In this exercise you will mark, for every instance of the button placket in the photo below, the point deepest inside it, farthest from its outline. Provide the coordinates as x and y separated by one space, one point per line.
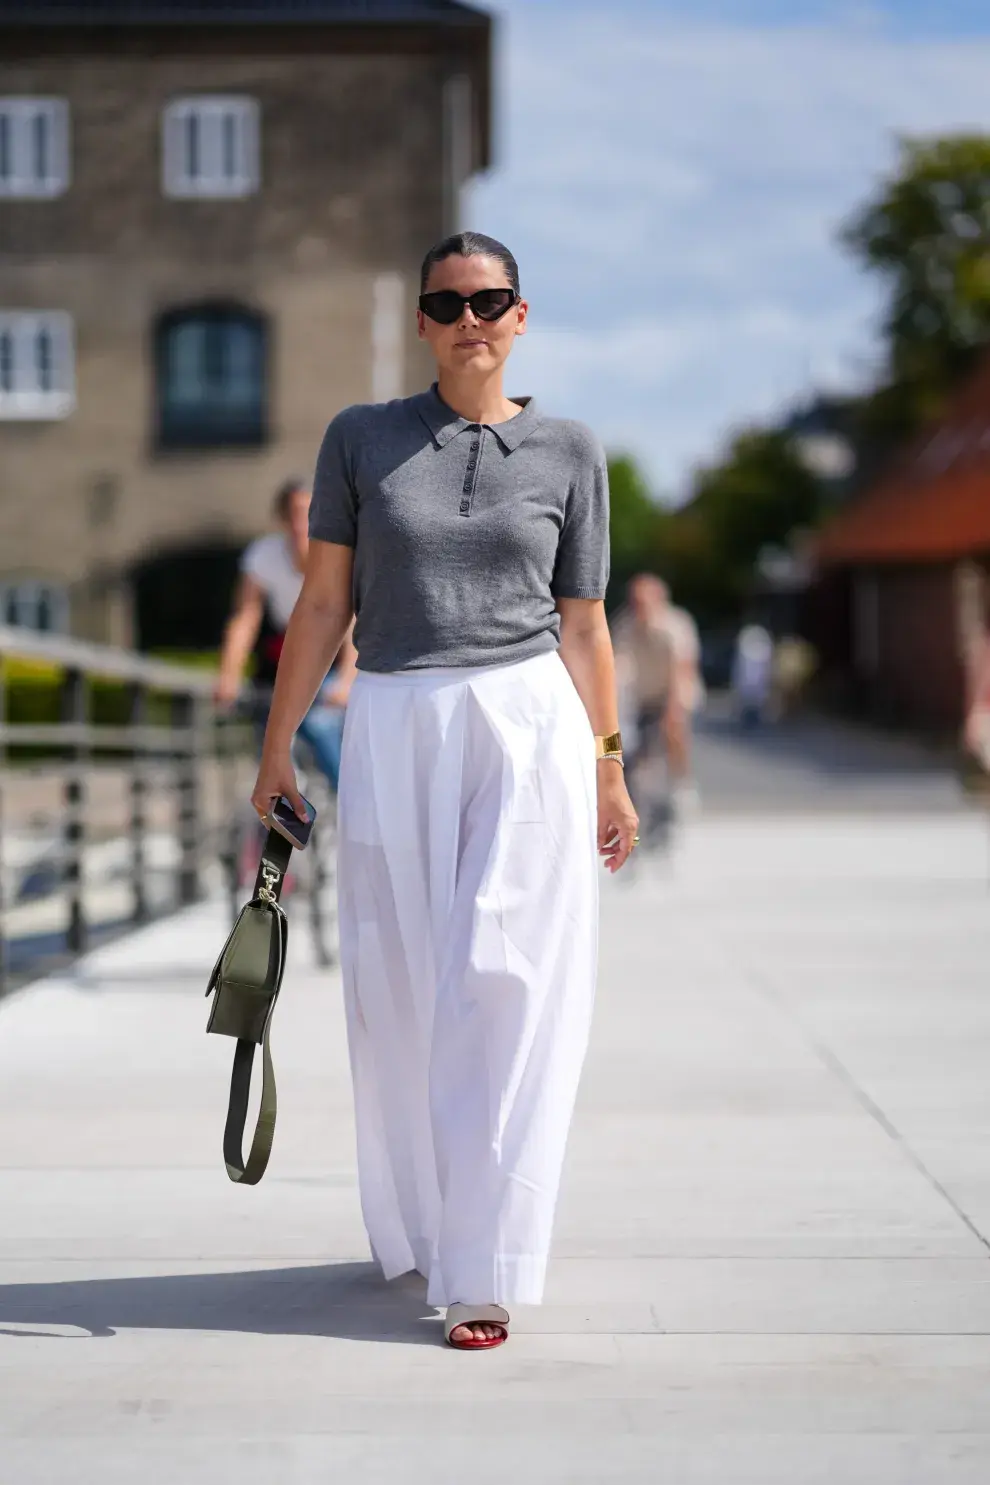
471 473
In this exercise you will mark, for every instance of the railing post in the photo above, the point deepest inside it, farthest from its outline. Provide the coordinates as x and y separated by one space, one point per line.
73 710
139 796
186 717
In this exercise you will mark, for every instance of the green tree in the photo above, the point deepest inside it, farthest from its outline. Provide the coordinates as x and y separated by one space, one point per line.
754 497
633 520
926 233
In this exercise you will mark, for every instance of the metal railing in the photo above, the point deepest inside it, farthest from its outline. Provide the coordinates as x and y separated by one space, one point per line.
164 750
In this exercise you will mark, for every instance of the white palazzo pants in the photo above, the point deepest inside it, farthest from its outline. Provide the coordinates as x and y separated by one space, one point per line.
469 937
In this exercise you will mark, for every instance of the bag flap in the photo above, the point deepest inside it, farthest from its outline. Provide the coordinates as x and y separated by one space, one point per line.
248 974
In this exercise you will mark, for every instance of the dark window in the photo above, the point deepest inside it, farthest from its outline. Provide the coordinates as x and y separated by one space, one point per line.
192 146
6 361
182 597
211 379
40 141
230 123
43 351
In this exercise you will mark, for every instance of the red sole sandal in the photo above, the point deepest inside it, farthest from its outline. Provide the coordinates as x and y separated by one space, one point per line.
476 1315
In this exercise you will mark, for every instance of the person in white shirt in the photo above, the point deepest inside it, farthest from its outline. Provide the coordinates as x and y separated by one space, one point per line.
271 579
752 674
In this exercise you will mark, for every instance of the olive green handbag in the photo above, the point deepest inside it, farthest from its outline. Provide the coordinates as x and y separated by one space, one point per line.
244 984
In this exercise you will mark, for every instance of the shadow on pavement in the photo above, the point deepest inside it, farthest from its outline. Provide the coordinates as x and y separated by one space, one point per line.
349 1301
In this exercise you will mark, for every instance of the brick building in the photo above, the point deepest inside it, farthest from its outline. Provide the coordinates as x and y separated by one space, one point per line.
904 588
212 214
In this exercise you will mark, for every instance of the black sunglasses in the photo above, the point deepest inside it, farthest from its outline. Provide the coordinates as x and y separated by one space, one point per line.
446 305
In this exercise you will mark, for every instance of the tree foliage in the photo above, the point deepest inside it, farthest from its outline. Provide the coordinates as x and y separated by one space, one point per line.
752 498
926 233
634 517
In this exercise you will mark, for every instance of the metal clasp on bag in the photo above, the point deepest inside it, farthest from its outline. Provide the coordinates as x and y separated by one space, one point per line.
272 876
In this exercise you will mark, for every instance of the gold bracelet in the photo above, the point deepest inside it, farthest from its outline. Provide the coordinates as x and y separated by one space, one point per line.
606 746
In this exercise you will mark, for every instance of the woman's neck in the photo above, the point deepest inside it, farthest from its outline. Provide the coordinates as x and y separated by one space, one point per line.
479 401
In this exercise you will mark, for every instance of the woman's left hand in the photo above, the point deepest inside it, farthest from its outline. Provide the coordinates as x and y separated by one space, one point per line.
617 819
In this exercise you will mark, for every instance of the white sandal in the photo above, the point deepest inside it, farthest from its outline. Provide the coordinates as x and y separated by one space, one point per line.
476 1315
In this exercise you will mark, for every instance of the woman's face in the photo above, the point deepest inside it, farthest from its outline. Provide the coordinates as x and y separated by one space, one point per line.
471 346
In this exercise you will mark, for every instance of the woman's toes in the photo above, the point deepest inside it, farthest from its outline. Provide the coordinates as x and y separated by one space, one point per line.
475 1332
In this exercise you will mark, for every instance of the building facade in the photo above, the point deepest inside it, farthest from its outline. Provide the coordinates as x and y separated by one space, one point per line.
903 594
212 214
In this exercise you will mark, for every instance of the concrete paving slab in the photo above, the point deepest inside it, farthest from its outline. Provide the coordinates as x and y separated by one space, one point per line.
772 1260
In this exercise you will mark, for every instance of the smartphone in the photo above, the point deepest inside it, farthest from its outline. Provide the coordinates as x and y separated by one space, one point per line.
283 818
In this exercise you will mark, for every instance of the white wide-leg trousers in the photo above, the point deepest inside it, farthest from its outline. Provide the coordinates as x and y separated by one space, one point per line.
469 938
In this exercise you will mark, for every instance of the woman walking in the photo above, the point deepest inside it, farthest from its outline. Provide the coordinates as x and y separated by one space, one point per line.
481 766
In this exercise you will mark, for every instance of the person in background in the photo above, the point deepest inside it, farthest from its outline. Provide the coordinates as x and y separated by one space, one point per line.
660 661
647 670
752 675
976 733
271 579
691 695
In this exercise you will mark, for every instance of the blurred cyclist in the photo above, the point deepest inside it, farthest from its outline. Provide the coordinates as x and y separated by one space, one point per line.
646 665
271 578
659 658
691 695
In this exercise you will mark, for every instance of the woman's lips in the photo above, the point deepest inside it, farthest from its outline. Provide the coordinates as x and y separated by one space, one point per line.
470 342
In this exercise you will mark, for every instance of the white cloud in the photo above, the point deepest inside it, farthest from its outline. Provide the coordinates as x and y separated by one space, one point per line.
672 189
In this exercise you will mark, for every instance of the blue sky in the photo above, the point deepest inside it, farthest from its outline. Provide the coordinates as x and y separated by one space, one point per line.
671 176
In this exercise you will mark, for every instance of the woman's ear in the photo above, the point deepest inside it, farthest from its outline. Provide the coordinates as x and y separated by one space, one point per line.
522 311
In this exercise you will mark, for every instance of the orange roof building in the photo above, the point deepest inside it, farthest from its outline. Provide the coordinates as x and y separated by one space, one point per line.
905 572
934 504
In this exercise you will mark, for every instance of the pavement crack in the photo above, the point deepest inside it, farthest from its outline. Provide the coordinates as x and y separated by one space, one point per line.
765 988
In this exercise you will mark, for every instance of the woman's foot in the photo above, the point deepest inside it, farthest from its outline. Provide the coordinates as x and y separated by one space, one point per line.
476 1327
461 1333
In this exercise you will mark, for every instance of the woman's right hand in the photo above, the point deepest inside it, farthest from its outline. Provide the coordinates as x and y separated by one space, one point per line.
277 776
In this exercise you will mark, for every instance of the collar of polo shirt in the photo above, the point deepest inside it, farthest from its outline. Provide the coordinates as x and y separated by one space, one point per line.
445 424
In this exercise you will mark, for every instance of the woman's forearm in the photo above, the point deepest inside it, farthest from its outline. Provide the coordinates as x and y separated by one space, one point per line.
312 640
241 632
586 650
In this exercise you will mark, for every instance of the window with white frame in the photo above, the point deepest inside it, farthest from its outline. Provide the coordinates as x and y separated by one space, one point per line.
210 147
37 373
34 147
30 603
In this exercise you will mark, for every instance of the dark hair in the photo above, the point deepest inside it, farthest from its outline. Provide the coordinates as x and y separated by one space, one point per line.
470 245
282 502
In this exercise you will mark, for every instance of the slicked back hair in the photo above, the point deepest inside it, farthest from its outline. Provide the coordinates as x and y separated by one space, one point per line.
470 245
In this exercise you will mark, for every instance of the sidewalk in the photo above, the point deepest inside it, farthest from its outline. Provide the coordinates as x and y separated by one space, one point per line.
772 1264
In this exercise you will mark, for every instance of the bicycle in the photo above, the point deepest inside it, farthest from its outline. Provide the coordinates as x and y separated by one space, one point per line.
313 876
648 779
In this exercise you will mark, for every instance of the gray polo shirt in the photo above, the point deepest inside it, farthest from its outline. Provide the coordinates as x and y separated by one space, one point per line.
464 534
